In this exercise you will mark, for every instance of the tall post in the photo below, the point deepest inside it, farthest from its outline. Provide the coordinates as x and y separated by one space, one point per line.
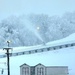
8 59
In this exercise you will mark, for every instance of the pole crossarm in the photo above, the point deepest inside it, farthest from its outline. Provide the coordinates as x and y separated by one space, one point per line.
7 54
44 49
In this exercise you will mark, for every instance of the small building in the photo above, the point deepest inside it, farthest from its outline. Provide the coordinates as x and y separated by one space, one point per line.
40 69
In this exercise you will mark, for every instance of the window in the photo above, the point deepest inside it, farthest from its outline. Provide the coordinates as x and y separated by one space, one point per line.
40 71
25 71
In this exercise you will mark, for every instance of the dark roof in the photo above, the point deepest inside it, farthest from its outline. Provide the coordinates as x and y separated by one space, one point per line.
45 66
39 64
24 64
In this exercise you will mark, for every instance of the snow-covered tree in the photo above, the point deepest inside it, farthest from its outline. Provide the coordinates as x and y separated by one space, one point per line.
35 29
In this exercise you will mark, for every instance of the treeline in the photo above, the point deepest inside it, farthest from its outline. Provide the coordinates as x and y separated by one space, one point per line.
35 29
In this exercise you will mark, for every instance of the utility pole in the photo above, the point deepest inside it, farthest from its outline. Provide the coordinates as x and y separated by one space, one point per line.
8 59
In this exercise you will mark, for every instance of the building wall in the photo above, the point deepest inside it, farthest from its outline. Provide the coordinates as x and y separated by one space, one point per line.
40 69
56 70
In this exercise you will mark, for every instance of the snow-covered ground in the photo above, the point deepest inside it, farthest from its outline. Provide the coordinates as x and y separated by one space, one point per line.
63 57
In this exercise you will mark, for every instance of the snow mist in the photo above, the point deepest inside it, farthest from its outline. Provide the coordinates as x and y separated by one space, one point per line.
31 28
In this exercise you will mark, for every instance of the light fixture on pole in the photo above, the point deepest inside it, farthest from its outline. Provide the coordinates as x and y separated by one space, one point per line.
8 54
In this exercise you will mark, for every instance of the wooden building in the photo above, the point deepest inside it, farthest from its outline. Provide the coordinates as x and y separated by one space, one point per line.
40 69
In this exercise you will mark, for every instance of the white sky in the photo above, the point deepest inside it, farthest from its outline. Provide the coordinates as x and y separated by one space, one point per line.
50 7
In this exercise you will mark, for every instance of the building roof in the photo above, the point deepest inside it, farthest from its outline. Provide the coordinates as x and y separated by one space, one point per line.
24 64
45 66
57 66
39 64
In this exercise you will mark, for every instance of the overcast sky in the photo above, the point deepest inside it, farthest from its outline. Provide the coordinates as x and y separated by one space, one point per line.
50 7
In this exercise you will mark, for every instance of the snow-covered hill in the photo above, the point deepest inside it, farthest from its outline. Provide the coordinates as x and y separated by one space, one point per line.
63 57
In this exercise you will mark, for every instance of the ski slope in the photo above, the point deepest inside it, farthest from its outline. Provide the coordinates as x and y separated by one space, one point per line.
60 57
